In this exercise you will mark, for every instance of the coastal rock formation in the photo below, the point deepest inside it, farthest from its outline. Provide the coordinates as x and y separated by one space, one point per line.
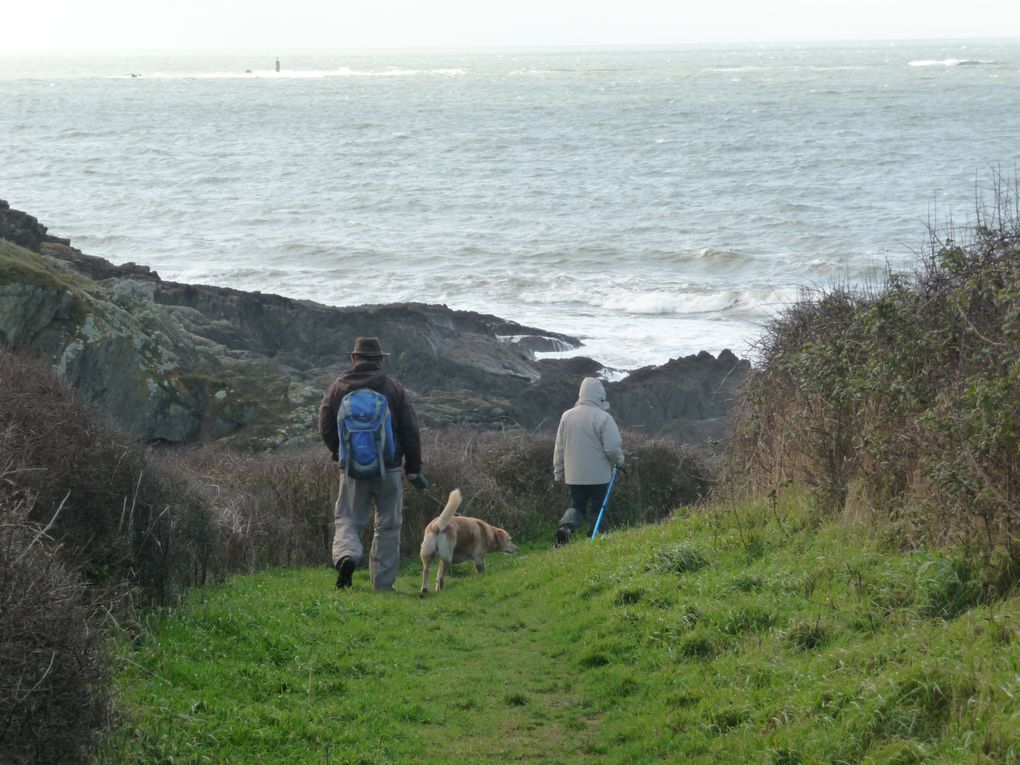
23 229
182 363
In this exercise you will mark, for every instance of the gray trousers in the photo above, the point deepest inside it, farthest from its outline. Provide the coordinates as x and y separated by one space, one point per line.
352 513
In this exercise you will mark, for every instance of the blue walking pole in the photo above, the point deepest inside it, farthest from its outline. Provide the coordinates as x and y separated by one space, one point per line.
605 502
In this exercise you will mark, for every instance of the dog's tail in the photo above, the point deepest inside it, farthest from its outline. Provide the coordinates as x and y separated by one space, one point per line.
452 505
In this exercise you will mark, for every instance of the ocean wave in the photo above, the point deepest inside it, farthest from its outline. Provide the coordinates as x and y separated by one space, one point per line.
261 279
651 304
951 62
739 68
74 132
629 296
707 258
729 259
86 241
688 303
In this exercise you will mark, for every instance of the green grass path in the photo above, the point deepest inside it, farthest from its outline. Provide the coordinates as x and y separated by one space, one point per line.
717 637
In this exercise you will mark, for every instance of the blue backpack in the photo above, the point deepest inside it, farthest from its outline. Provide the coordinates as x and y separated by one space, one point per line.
367 445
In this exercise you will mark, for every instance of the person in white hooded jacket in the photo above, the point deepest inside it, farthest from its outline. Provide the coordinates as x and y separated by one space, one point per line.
588 447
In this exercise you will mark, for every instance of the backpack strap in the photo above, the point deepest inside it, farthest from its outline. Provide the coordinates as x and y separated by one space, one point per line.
382 449
345 408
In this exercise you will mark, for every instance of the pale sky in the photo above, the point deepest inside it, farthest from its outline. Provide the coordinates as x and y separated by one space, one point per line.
342 24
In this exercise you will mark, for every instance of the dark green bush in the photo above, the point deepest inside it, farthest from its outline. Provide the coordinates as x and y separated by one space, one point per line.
901 401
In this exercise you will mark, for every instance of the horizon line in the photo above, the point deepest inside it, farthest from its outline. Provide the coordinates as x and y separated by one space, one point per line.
504 47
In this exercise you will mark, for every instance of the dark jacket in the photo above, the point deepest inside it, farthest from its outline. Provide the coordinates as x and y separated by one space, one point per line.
405 425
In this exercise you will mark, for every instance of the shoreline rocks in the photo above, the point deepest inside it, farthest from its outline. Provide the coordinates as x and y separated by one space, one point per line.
181 363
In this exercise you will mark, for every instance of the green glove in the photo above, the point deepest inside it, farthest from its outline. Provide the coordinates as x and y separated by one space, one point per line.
418 481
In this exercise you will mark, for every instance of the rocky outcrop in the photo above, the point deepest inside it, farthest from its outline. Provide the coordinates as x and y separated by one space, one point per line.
184 363
23 229
687 398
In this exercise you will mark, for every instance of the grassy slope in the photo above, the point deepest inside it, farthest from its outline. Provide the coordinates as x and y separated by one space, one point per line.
697 640
18 265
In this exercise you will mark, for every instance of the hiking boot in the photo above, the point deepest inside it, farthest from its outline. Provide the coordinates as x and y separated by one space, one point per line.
562 536
344 573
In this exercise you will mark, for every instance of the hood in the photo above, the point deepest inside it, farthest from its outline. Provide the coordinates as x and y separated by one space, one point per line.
592 392
365 375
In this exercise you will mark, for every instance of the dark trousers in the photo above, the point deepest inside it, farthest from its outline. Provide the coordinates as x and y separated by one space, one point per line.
581 496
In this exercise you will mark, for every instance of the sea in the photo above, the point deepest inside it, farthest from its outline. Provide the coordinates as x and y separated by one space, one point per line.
654 202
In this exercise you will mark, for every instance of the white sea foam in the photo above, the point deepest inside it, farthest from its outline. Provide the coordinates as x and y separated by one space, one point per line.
671 302
951 62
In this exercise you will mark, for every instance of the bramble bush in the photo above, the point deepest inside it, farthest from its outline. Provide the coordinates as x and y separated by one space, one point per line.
277 508
54 683
903 400
120 515
87 517
271 509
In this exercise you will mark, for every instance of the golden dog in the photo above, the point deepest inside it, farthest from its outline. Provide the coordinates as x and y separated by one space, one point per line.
457 540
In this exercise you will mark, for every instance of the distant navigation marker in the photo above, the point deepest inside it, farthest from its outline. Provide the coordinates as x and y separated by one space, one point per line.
278 65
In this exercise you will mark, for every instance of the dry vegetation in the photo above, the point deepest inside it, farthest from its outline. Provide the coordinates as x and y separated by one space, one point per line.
902 403
277 509
54 687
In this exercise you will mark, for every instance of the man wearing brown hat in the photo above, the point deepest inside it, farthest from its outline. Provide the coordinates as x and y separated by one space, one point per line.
353 508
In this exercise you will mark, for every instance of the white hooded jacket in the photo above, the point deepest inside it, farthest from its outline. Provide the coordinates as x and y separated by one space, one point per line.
588 443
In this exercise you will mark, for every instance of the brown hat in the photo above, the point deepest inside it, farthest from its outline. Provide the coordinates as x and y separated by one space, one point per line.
368 346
